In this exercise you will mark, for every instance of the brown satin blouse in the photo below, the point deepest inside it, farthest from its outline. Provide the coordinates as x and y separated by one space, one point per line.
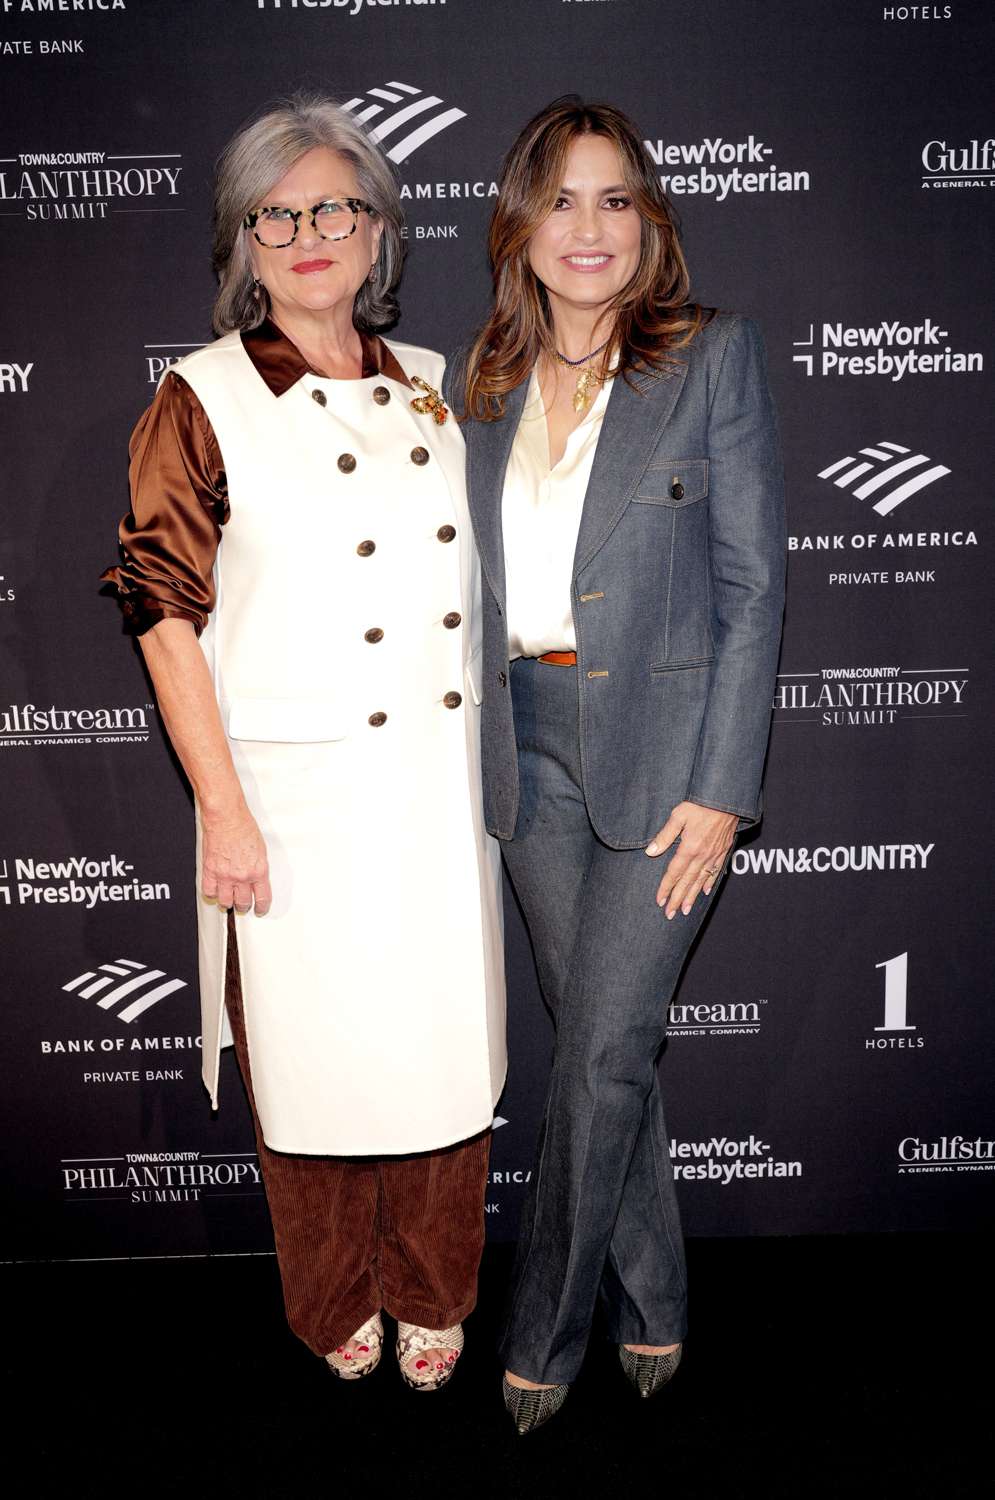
179 491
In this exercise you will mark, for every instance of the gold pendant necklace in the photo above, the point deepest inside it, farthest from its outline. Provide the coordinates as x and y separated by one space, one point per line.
586 379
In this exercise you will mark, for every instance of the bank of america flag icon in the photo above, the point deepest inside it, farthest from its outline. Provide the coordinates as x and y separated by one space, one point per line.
135 979
412 105
886 465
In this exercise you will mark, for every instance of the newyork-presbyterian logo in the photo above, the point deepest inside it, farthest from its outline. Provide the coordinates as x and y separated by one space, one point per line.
890 347
109 984
887 465
402 105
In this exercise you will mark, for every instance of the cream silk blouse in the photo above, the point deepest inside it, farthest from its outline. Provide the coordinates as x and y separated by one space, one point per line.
541 512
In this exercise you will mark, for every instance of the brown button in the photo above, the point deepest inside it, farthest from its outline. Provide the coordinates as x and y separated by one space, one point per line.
419 456
374 635
381 395
377 719
452 620
677 490
320 397
453 700
366 549
346 463
446 533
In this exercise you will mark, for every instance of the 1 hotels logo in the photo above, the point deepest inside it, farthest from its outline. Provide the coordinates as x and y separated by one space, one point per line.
135 979
405 104
886 464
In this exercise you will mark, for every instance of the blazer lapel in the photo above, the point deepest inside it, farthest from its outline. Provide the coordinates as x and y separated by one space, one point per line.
489 447
631 427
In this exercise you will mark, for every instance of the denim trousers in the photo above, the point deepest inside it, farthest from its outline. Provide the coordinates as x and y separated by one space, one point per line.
601 1219
354 1235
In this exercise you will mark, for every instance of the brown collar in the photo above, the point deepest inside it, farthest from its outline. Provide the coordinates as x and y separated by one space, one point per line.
281 364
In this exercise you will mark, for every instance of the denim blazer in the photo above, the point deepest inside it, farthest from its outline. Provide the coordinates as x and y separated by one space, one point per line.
677 591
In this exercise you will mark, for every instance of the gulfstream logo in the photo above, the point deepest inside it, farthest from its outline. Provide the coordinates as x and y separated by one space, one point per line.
728 158
26 724
951 1153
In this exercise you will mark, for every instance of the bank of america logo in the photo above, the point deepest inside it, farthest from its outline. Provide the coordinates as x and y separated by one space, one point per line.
134 977
413 103
846 471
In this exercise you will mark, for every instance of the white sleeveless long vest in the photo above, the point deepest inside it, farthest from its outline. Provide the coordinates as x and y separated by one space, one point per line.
374 989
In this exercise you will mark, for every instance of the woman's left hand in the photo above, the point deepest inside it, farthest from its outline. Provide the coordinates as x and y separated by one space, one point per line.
706 836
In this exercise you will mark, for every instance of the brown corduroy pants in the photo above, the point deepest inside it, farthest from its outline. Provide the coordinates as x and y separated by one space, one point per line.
357 1234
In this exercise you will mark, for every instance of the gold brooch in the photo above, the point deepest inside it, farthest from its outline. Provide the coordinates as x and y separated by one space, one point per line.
431 402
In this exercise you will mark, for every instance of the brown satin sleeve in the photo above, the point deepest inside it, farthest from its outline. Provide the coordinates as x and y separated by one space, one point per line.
179 502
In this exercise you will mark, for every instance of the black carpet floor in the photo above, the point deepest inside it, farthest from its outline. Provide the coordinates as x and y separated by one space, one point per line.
839 1367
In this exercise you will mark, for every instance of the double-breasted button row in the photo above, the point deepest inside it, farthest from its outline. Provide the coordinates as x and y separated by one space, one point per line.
452 700
377 719
373 635
452 620
419 456
346 462
319 397
366 549
381 395
446 533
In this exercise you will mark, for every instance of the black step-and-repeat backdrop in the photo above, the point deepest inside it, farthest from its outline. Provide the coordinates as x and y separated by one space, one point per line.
833 164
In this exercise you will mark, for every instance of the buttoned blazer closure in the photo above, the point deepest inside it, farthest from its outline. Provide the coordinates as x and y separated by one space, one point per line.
342 649
677 590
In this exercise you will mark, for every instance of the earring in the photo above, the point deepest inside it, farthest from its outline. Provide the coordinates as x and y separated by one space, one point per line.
373 272
256 284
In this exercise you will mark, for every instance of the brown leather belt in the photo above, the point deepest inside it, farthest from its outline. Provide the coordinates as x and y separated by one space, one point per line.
560 658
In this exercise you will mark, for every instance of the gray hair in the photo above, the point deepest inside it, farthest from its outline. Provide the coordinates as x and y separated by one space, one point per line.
256 158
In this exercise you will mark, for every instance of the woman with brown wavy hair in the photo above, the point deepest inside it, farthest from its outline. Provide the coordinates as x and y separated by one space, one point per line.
626 493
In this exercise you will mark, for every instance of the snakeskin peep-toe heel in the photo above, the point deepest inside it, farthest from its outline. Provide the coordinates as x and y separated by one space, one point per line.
412 1340
369 1344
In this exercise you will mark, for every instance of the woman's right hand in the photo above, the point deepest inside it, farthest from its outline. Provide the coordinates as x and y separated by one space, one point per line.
235 866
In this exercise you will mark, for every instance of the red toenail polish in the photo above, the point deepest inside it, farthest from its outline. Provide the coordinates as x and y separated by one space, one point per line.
339 1349
421 1364
362 1349
439 1365
348 1356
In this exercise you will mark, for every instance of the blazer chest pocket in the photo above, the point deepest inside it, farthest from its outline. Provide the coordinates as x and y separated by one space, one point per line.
673 482
288 721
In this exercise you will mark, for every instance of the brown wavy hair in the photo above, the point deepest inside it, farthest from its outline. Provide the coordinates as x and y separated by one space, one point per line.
653 316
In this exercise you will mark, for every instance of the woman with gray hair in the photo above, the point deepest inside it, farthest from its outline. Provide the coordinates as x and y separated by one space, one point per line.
299 568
